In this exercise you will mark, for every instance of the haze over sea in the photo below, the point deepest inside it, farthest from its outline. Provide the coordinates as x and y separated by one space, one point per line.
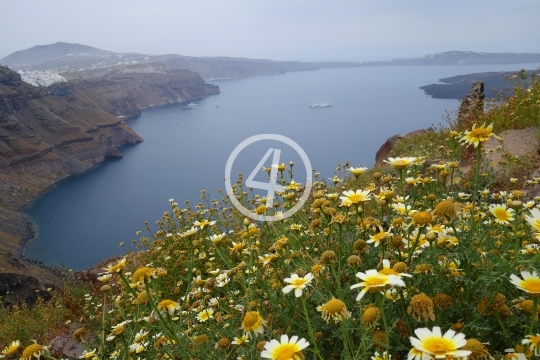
83 219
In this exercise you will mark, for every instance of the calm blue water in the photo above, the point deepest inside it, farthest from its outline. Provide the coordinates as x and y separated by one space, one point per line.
83 219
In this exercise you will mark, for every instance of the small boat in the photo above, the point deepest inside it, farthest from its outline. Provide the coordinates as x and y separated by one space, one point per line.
192 105
320 104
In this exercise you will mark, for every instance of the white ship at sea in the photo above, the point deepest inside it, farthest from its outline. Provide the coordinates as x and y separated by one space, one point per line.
319 104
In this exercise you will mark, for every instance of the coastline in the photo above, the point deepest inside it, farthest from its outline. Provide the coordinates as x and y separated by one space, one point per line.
27 226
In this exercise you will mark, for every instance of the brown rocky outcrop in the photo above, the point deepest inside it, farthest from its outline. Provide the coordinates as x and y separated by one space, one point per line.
391 142
471 106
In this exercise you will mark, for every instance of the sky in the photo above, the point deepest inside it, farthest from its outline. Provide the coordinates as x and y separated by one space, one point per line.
305 30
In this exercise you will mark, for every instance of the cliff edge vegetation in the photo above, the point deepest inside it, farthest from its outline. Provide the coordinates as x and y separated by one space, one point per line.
421 257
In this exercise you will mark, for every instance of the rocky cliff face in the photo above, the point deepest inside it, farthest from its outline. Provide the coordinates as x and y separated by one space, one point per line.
49 133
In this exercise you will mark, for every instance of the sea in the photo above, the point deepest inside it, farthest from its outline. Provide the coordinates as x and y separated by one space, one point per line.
83 219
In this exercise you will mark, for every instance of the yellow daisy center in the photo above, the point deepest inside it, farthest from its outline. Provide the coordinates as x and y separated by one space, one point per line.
388 271
12 349
285 352
334 307
422 218
531 285
438 345
252 321
535 340
298 282
480 134
32 350
501 214
143 273
375 280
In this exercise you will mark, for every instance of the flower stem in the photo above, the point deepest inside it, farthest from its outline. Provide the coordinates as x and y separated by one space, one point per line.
385 324
534 315
411 250
311 333
126 283
498 317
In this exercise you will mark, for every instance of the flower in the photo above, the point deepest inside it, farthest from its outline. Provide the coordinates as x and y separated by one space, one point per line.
354 197
253 321
370 315
203 223
534 221
216 238
138 347
478 350
530 282
438 345
205 315
377 238
117 267
11 349
415 354
240 340
534 343
422 218
88 354
280 167
334 309
515 353
189 232
119 328
169 306
383 356
357 171
503 215
400 163
297 283
34 350
421 305
284 349
143 273
387 270
478 135
374 281
293 185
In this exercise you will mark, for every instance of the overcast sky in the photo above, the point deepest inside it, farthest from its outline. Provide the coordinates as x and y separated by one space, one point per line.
308 30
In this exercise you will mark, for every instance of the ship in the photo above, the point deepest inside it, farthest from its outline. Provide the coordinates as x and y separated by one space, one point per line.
320 104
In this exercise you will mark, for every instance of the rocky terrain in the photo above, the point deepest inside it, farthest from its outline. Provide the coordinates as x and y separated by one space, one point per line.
49 133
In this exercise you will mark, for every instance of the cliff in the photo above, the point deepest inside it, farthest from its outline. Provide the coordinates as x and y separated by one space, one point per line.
47 134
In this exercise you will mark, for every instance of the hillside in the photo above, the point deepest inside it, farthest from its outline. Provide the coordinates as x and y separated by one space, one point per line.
75 60
80 61
65 56
49 133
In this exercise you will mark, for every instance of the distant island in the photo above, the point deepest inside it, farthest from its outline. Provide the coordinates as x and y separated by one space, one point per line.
457 87
76 61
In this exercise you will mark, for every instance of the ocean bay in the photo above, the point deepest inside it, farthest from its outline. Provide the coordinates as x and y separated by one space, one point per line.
84 218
